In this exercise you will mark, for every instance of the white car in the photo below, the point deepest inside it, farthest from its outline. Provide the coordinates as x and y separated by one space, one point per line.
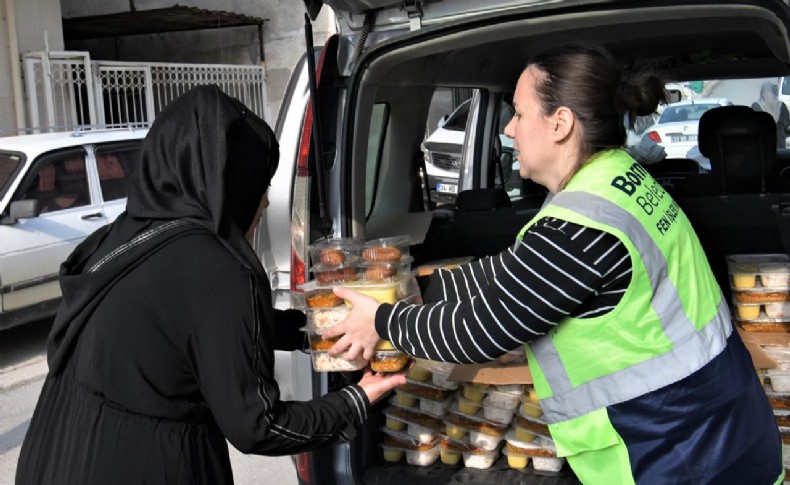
55 190
442 150
676 129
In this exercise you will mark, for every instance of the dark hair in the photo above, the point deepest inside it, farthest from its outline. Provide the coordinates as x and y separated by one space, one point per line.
585 78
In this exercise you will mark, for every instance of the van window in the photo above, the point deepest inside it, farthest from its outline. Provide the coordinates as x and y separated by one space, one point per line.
59 182
378 128
116 165
9 164
448 114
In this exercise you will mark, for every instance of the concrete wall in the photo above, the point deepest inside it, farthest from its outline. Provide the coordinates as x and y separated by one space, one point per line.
283 37
33 19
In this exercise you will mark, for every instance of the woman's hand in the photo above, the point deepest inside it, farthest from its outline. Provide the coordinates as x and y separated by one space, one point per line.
377 385
358 329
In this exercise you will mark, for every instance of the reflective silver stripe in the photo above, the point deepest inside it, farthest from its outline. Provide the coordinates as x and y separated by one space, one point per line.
151 233
568 402
666 301
680 362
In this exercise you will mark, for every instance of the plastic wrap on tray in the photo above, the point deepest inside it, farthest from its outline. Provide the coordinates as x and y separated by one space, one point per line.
751 271
375 271
542 452
528 428
421 426
395 449
323 362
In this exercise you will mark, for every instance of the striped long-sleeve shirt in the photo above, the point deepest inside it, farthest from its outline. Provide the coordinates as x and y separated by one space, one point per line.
494 305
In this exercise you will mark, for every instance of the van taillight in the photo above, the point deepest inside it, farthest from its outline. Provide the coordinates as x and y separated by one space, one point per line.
653 135
303 466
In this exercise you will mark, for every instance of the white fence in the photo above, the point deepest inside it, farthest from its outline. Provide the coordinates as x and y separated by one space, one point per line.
66 89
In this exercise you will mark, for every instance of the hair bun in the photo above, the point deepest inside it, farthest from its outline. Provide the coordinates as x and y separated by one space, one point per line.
639 94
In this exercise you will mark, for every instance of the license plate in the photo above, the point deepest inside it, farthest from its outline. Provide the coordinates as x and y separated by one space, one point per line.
682 138
447 188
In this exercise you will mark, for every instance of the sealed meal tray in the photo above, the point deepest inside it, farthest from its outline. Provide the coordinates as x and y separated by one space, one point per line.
451 450
420 454
320 296
779 379
528 428
384 270
542 452
778 400
436 410
335 252
764 324
386 250
755 311
320 319
423 427
323 362
767 271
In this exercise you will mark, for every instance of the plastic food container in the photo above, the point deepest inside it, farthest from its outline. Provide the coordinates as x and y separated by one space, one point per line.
426 390
777 310
430 402
388 291
319 319
760 295
516 459
468 407
765 324
441 379
782 417
778 400
502 400
322 362
530 405
529 429
378 271
420 426
404 398
317 342
482 434
386 250
419 373
433 366
498 415
754 270
542 452
780 380
325 275
474 392
510 388
481 459
388 361
320 297
451 451
421 454
335 252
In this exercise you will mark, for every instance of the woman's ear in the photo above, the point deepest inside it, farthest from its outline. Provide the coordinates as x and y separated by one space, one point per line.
564 121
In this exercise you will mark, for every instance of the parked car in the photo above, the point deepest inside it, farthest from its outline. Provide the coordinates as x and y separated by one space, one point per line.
676 129
442 152
55 189
373 109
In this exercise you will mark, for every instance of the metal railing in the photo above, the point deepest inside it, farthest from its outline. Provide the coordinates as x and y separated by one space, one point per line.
66 89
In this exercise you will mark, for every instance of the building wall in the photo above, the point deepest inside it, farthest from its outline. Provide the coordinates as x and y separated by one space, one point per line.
33 19
283 35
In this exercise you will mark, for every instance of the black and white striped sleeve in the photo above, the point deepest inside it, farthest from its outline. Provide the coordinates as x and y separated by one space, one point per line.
462 283
557 270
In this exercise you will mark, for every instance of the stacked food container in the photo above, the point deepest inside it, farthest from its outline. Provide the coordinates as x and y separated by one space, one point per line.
760 286
467 423
761 291
380 269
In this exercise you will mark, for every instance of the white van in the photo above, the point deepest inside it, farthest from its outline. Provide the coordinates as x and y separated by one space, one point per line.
375 83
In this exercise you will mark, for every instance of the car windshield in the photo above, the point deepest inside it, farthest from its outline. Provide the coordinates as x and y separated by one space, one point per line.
9 162
684 112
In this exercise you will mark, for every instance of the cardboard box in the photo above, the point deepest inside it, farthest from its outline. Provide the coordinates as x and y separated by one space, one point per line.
492 373
452 263
755 340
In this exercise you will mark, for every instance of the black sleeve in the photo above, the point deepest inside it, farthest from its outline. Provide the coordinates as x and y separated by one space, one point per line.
784 120
232 351
554 272
287 333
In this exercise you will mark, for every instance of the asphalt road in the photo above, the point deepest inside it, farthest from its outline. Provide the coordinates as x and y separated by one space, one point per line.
22 369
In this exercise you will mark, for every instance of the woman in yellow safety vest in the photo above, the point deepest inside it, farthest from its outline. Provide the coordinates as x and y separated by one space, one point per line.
639 374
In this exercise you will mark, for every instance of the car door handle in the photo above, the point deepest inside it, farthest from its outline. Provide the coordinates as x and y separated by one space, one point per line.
92 215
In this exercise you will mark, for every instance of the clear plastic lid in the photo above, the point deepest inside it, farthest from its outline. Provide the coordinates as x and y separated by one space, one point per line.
543 447
413 416
425 390
477 419
394 402
759 272
323 362
388 249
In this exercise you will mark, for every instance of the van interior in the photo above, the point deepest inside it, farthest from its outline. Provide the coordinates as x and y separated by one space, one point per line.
741 206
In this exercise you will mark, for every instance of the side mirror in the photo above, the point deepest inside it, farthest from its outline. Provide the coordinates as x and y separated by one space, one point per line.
21 209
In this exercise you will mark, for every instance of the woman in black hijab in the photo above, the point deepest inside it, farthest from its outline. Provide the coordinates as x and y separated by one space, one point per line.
164 344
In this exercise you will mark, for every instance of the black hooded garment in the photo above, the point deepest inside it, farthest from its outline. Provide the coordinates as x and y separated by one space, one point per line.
164 344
